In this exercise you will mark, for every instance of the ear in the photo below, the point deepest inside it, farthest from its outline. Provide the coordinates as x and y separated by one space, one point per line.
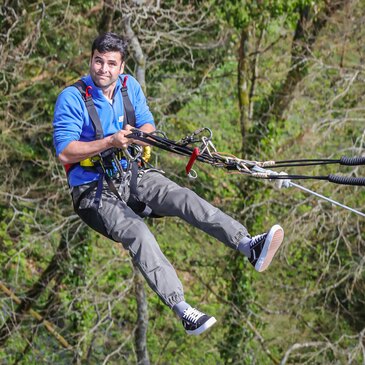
122 67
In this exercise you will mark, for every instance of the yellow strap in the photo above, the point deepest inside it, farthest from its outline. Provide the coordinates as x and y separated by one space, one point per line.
146 153
89 162
86 163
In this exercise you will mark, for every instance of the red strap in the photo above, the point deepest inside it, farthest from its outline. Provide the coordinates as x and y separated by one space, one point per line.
67 167
125 81
87 92
192 159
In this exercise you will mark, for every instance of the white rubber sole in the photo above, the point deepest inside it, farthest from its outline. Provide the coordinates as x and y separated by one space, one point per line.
209 323
272 243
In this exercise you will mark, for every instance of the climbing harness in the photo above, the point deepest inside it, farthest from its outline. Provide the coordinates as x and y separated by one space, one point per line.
207 153
108 163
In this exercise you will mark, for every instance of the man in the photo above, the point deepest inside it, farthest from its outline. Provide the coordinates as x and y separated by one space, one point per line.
101 195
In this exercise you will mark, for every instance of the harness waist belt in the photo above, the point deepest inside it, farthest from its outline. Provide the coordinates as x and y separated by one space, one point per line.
95 160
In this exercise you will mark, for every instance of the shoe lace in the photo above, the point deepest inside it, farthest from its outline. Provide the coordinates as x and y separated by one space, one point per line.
192 315
256 239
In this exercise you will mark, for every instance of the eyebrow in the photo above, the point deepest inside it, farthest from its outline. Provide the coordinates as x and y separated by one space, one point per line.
100 58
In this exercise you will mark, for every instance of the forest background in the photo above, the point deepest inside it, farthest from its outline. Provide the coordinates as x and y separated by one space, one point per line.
273 80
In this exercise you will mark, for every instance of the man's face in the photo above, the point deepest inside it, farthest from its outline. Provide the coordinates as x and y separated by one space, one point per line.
105 68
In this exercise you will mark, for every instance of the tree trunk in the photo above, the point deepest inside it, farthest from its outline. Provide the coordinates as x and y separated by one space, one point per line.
106 20
142 319
242 82
142 310
306 33
137 53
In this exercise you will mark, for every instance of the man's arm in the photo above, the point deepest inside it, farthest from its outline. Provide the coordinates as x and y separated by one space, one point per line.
77 151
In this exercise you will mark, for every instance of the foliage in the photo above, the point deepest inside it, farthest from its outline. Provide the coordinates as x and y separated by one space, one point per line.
308 308
239 14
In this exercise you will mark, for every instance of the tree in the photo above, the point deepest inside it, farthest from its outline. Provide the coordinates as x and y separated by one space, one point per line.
259 116
313 292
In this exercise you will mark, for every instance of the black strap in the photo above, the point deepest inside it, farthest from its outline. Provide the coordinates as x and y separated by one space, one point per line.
90 106
129 114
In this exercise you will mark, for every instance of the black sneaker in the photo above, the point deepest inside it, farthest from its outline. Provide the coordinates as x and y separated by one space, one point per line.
264 246
196 322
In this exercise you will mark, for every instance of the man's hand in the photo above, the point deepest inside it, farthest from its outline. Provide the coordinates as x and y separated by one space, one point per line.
119 139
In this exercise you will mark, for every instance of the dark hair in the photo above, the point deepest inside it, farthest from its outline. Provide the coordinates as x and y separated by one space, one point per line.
110 42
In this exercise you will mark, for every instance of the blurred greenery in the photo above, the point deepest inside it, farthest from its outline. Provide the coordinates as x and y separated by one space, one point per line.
308 307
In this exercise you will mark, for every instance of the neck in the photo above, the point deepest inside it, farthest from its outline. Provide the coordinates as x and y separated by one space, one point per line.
108 91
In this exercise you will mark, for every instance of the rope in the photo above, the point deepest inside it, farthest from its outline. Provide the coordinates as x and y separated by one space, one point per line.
208 154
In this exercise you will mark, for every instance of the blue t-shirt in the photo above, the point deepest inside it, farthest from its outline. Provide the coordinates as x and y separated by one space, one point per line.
72 122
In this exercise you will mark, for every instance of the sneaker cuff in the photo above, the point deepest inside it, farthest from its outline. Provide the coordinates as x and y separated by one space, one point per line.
174 299
241 236
244 246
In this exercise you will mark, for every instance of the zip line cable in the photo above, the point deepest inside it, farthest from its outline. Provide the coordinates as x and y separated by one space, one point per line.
290 183
327 199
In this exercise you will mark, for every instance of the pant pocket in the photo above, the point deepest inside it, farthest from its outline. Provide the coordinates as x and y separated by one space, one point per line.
84 207
92 218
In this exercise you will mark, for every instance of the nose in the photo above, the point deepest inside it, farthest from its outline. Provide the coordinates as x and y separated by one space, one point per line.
104 67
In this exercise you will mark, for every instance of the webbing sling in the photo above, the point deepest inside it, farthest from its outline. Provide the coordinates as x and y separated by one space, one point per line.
129 118
129 115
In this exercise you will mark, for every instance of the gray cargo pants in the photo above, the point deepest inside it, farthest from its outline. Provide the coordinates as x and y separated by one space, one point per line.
166 198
